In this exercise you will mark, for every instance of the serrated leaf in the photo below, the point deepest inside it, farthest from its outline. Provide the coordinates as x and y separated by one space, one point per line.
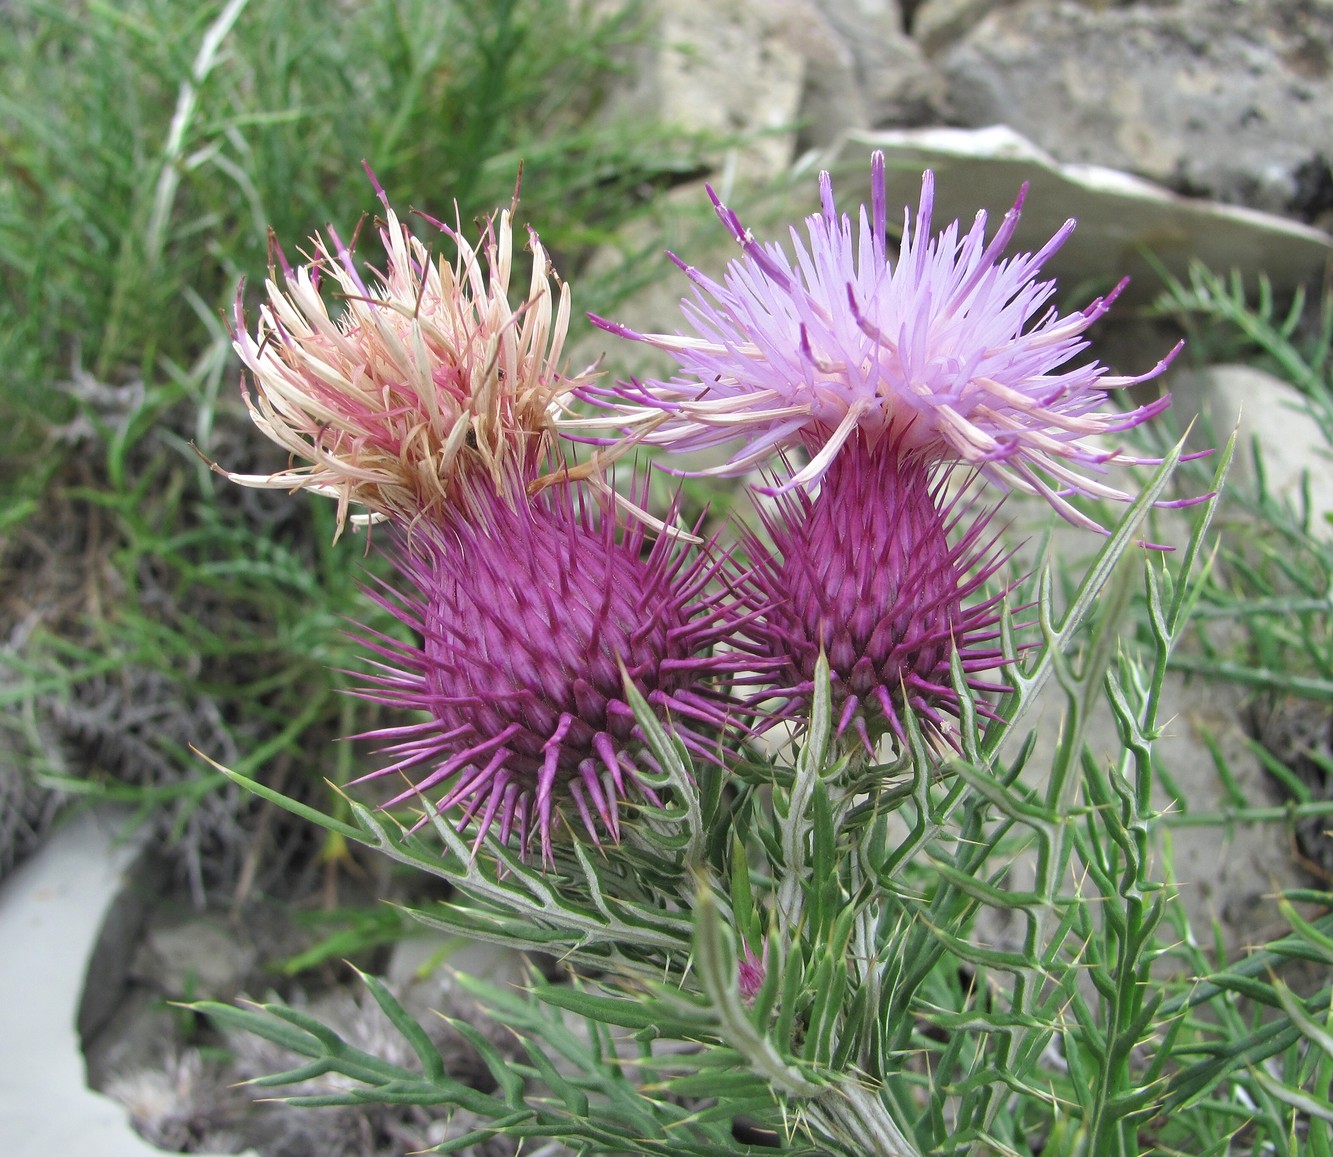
258 1023
305 811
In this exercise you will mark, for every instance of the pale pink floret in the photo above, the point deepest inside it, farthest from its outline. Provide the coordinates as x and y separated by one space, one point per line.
751 969
426 383
949 349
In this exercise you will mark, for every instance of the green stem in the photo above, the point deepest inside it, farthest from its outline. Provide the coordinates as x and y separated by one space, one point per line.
858 1118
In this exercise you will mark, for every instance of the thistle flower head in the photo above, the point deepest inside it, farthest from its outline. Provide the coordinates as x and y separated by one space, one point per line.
532 617
952 351
865 573
751 969
426 386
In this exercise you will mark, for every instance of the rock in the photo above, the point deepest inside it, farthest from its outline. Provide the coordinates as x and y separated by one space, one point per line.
939 23
893 80
778 78
1119 216
52 912
1271 413
832 98
734 68
1209 97
196 959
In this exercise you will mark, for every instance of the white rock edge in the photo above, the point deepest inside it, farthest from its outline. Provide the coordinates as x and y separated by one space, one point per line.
52 912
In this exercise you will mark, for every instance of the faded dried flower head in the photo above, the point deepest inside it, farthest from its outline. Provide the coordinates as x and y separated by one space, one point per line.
952 351
427 386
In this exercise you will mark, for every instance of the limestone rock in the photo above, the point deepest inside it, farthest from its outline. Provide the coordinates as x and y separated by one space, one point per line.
734 68
1119 216
1271 413
1209 97
66 916
893 80
194 958
938 23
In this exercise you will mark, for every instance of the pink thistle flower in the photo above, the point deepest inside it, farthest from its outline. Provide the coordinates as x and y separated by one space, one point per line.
865 573
952 351
427 385
531 617
751 969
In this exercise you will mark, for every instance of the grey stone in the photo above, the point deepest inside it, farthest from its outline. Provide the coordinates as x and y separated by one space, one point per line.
195 959
1265 410
734 68
895 83
1210 97
833 98
52 911
939 23
1119 216
780 77
123 922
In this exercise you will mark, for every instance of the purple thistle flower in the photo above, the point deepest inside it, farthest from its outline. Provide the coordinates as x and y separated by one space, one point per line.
952 351
751 969
531 617
865 573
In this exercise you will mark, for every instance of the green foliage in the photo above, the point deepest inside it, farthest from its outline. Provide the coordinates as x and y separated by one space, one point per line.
147 149
1263 619
572 1087
151 145
1224 323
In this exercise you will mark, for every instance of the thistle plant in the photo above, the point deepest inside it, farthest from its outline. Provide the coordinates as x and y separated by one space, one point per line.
765 797
868 578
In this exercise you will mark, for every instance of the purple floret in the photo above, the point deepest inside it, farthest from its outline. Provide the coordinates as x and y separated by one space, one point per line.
949 349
